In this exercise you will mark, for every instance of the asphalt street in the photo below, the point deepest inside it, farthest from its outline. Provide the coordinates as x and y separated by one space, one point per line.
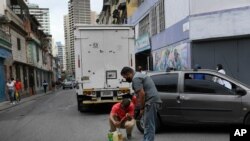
54 117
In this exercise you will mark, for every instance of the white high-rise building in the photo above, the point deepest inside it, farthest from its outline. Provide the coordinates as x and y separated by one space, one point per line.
42 15
67 44
61 54
54 48
93 17
79 13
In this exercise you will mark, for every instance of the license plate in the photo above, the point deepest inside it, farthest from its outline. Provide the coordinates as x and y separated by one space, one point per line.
107 93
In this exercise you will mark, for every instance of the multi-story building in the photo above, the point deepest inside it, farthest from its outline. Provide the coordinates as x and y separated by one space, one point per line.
17 14
61 54
30 61
54 48
67 44
117 11
42 15
5 53
93 17
79 13
183 33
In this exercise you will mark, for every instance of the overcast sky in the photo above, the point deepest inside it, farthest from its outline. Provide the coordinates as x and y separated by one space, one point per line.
59 8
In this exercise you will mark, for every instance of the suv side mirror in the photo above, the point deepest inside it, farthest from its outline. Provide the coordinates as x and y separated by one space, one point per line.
240 91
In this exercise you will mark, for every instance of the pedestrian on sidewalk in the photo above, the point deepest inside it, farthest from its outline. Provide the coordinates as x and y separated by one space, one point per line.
11 88
18 88
148 99
45 84
122 116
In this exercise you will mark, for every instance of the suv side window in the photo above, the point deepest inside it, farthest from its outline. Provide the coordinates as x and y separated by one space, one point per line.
206 84
166 82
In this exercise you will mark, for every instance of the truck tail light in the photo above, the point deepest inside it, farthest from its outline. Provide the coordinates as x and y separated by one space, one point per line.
88 91
123 90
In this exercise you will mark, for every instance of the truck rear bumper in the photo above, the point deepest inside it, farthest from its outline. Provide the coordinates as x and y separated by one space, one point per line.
101 102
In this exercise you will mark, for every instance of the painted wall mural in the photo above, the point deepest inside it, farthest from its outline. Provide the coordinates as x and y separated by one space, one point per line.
174 56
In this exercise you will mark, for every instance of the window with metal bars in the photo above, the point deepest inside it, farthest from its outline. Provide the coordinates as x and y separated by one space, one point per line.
153 23
157 18
161 15
144 26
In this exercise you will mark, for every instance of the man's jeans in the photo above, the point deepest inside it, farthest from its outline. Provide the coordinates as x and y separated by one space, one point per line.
150 117
11 94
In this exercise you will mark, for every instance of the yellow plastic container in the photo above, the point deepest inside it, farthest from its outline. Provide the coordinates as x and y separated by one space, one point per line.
115 136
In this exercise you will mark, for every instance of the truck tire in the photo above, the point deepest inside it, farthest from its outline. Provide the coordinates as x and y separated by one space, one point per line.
82 107
140 125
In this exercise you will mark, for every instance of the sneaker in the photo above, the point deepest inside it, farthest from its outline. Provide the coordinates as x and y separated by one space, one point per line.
129 136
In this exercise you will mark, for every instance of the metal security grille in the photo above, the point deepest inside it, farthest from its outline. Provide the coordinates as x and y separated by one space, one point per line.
233 54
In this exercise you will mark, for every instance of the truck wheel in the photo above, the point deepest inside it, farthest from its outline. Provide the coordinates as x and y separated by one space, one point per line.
140 125
82 107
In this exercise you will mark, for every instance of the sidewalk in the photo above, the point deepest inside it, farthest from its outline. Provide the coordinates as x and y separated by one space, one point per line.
6 104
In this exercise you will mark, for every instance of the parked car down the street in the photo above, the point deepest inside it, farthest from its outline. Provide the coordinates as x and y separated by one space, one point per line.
68 84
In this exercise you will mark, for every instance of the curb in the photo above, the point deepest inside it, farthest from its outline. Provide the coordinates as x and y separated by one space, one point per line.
6 105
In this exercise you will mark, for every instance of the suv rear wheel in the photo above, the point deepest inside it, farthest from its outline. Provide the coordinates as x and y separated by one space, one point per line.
247 119
140 124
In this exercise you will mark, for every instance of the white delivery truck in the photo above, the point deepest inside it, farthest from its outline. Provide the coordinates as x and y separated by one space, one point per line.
101 51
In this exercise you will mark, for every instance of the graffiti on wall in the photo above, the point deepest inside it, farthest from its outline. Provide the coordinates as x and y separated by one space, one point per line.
177 57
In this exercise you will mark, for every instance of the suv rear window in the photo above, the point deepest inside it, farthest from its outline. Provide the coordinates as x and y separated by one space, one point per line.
166 82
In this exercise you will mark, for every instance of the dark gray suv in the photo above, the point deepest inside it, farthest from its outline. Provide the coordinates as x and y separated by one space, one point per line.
200 97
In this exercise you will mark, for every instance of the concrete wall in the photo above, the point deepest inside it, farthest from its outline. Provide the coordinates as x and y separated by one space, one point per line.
204 6
227 23
175 11
18 55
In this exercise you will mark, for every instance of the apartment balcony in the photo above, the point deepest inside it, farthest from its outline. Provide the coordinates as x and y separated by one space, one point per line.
5 39
14 19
